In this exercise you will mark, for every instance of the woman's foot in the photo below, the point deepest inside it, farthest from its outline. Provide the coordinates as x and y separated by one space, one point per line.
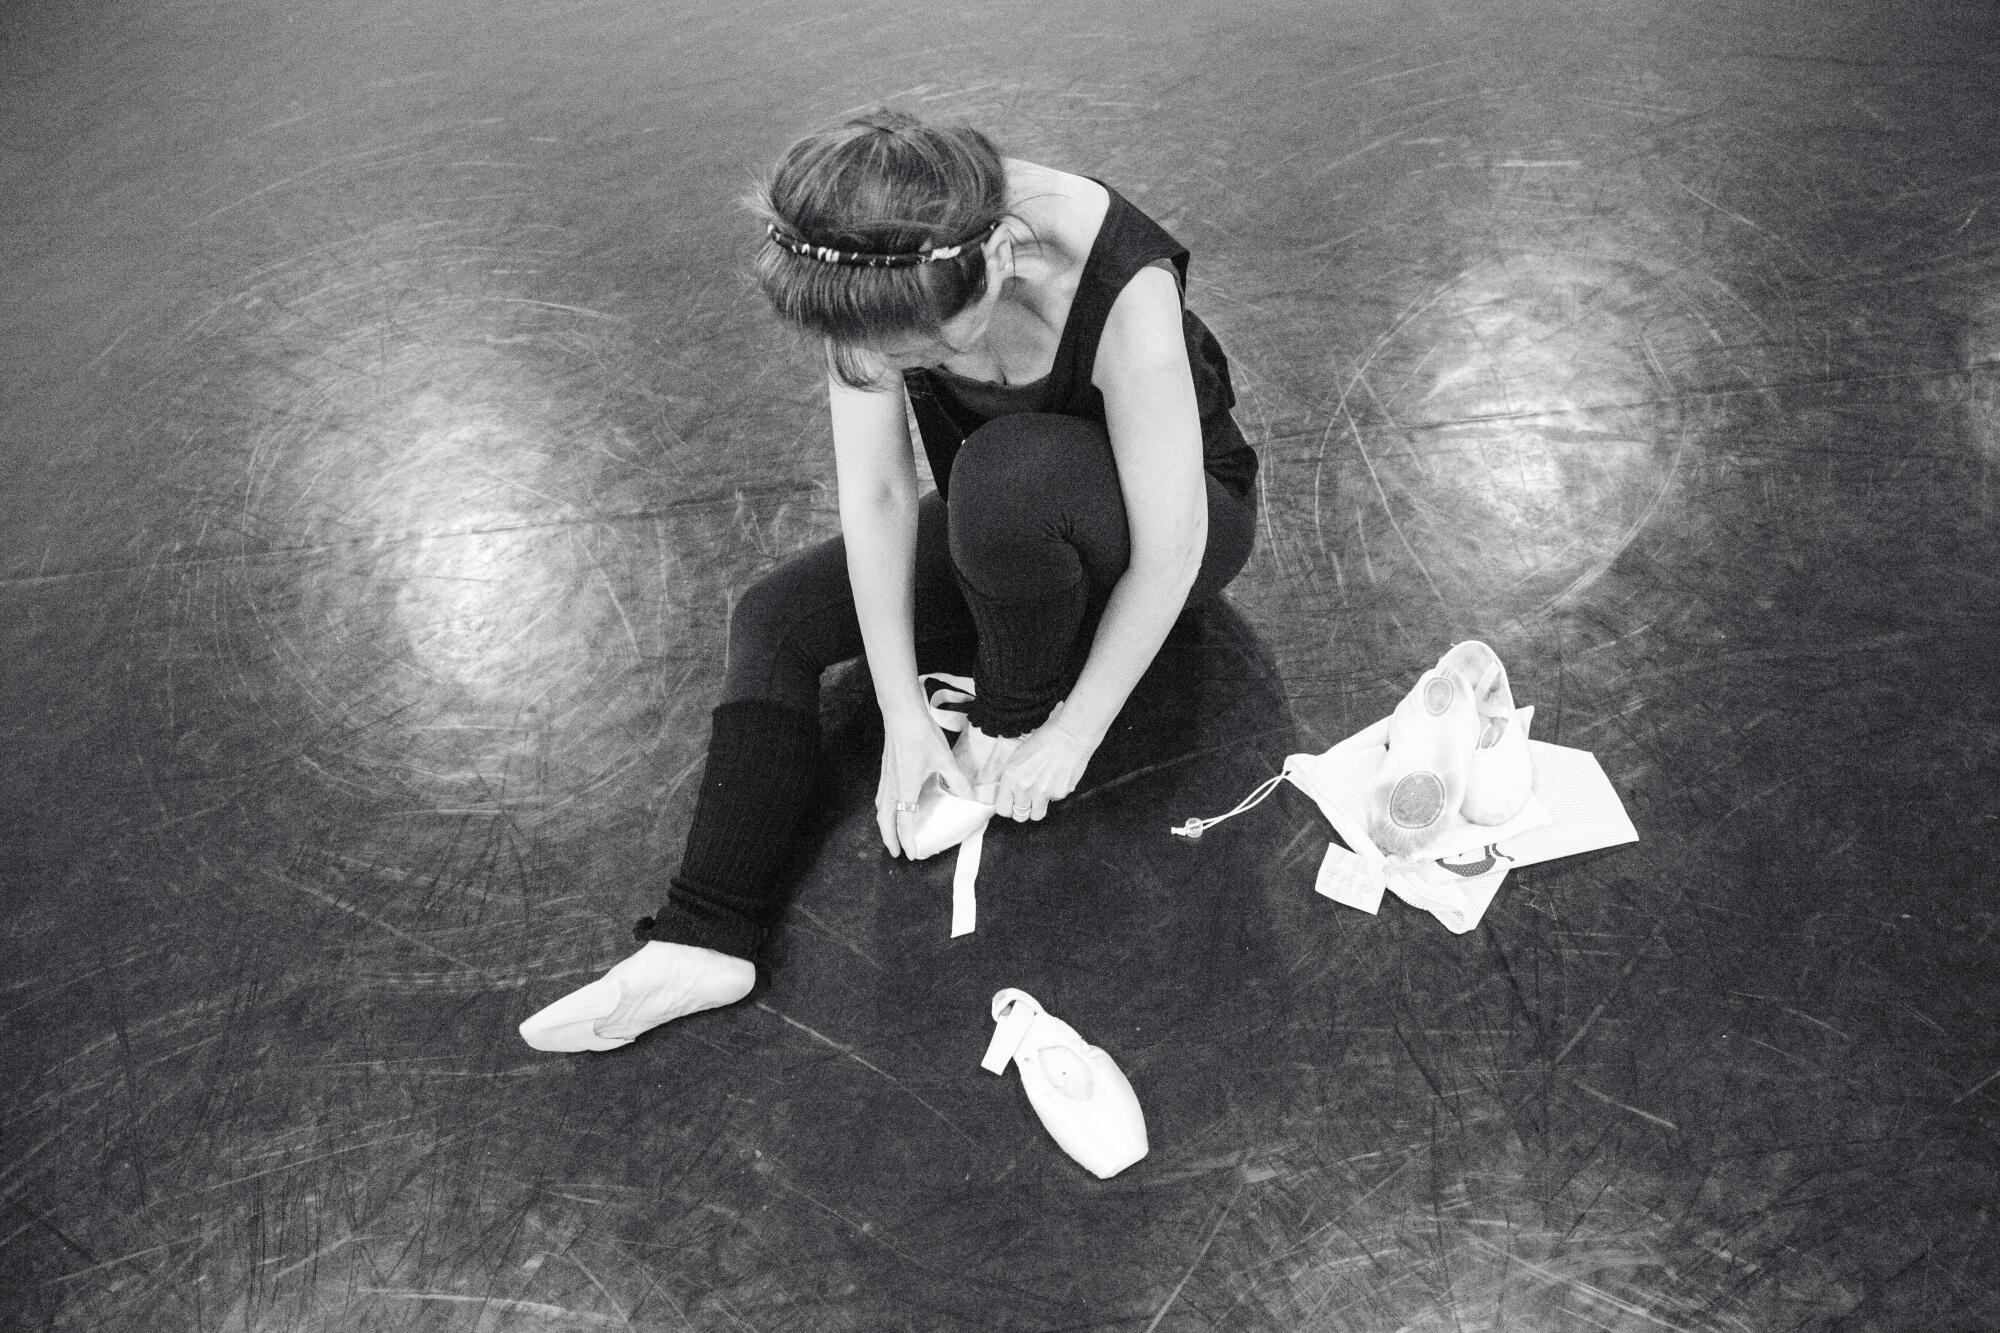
659 983
942 820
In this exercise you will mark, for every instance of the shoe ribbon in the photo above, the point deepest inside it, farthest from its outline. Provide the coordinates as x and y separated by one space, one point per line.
964 905
1014 1012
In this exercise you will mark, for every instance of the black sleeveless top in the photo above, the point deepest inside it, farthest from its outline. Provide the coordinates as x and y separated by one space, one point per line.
949 407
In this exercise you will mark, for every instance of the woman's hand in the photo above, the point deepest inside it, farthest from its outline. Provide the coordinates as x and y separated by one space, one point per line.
1046 768
912 749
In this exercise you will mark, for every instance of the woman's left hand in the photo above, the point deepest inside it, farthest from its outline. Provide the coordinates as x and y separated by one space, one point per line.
1046 768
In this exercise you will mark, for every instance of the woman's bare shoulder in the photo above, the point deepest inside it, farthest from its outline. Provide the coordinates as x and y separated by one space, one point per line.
1057 204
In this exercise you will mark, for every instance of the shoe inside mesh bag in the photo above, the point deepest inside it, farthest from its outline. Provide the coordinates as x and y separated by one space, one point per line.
1450 787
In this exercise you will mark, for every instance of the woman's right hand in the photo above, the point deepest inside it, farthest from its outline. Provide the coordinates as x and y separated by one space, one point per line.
913 749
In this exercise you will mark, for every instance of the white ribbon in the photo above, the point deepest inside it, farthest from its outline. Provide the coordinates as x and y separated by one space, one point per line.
1014 1012
964 906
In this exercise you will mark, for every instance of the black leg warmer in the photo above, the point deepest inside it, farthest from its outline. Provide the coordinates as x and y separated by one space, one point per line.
1030 651
727 894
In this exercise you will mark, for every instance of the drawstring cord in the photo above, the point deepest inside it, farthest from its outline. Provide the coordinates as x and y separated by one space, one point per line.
1194 828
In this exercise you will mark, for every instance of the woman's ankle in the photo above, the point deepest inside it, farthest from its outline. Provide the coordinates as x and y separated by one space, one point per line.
981 756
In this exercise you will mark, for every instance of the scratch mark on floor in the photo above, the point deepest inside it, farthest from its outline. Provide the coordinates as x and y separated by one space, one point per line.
859 1059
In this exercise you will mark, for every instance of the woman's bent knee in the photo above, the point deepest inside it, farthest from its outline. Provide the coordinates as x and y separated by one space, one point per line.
1027 463
1034 498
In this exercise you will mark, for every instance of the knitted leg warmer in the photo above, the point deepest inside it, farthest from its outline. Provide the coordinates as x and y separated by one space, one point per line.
1030 650
727 894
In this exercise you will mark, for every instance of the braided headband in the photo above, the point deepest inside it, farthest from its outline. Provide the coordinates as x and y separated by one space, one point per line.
826 254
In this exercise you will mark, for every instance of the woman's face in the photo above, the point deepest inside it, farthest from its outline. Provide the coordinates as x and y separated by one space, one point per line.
915 351
957 335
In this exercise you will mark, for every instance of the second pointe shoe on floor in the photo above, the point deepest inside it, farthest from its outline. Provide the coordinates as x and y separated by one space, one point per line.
659 983
1081 1095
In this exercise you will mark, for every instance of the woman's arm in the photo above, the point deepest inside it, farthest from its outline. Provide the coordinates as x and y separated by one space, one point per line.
877 481
877 478
1155 428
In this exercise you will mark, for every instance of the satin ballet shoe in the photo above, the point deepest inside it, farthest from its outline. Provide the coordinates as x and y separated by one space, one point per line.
1432 737
1501 779
570 1024
943 819
1083 1099
1483 674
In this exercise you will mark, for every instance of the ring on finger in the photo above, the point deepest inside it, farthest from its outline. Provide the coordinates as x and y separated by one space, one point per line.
906 807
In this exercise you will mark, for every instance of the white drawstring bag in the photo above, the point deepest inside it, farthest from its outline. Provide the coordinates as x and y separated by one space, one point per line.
1457 872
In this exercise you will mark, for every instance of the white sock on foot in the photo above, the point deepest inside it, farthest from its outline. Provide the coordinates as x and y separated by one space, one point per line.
665 981
659 983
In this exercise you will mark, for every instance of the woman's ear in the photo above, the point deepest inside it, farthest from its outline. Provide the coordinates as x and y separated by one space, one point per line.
999 249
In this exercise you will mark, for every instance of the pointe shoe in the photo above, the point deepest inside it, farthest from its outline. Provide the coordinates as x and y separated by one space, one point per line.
570 1024
1500 778
1432 737
1482 673
943 820
1083 1098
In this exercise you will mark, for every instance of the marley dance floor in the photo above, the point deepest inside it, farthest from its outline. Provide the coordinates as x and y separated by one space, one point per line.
386 421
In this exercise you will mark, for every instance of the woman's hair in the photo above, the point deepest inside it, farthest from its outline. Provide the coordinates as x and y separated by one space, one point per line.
882 184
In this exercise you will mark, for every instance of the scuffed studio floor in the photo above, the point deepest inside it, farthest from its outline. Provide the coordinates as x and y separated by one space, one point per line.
386 423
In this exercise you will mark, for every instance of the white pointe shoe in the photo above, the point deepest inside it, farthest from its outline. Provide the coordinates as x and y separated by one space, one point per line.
943 820
1432 736
570 1024
1082 1097
1501 780
1500 777
1479 667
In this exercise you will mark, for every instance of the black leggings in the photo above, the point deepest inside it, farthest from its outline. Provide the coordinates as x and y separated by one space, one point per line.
1020 562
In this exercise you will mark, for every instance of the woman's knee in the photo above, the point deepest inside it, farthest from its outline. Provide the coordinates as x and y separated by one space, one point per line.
1033 495
1024 463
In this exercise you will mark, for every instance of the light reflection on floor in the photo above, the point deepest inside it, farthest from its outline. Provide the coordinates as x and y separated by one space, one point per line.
1528 419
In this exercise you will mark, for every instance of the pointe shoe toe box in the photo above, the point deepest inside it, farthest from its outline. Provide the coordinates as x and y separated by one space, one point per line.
1085 1101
